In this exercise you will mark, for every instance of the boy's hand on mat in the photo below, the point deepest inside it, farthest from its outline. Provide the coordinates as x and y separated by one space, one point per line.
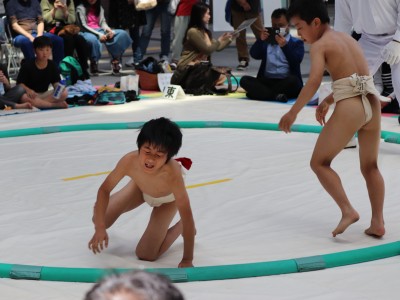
185 264
321 111
287 121
99 241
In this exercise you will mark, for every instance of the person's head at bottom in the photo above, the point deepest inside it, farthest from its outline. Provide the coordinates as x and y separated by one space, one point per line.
137 285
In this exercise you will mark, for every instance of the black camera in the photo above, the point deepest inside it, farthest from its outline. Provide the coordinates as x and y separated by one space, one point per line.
272 31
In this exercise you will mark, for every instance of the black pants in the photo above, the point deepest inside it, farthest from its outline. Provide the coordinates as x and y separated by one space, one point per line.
12 96
268 88
78 43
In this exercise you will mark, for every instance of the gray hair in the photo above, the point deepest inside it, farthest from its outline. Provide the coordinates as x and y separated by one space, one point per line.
138 285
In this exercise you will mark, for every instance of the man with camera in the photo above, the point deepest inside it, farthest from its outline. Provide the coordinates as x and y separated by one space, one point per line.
279 75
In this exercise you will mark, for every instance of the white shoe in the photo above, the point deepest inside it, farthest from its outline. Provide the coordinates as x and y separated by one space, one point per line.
352 143
130 63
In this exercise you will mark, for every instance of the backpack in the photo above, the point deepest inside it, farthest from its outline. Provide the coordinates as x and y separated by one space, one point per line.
70 68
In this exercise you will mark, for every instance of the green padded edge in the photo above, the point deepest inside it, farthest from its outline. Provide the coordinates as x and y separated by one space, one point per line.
25 272
387 136
311 263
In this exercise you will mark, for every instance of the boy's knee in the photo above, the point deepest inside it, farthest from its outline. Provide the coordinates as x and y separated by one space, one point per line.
317 165
143 255
367 169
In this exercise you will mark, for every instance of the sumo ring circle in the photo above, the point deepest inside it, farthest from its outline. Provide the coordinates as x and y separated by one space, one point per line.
206 273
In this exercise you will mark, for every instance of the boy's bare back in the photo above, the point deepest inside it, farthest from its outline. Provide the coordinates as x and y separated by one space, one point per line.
342 54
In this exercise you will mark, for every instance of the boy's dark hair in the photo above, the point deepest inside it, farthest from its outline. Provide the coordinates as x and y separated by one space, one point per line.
308 10
41 42
277 13
162 133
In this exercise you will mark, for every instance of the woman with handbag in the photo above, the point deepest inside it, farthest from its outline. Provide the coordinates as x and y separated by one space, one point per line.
194 71
96 31
59 18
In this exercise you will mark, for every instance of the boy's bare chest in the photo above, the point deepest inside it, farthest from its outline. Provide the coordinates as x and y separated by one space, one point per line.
154 185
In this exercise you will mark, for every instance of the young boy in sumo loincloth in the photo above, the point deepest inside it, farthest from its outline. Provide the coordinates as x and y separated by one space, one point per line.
155 179
357 109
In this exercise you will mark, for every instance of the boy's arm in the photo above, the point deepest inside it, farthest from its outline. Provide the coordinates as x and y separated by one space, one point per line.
317 57
188 227
100 237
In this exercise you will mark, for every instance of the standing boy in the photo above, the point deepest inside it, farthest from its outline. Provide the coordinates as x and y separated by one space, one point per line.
357 109
36 75
155 179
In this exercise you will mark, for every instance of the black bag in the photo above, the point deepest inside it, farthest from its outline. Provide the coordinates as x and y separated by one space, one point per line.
200 79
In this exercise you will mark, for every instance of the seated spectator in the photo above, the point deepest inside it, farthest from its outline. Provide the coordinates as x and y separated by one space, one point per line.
134 285
198 44
36 75
11 96
96 31
56 15
25 17
279 75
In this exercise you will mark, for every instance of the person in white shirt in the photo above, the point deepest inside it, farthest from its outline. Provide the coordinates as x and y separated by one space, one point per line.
378 22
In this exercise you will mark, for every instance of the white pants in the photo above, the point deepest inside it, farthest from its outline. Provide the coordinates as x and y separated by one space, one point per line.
372 46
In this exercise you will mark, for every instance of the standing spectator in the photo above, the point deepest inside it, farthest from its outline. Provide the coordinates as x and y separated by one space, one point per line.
124 15
242 10
378 22
96 31
25 17
181 23
56 15
161 10
279 75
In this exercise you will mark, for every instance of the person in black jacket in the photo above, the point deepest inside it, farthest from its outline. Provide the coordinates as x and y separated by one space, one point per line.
279 75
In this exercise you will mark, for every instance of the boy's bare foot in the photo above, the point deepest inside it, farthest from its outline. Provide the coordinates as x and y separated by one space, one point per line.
24 105
376 229
61 104
346 221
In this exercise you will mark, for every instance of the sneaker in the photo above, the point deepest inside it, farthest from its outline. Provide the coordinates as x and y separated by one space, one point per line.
281 98
130 63
115 66
243 64
94 69
164 58
173 65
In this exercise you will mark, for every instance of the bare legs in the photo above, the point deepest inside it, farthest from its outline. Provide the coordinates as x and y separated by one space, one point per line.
347 118
47 101
158 237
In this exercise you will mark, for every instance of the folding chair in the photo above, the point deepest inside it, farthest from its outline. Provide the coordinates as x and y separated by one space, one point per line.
8 52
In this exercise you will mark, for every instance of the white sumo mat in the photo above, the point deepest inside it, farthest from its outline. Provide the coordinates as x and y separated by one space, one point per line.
272 208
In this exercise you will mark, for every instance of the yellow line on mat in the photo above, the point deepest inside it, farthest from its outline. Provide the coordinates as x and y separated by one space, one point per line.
208 183
188 187
85 176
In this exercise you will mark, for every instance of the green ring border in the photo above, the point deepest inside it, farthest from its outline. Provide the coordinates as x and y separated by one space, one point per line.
207 273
